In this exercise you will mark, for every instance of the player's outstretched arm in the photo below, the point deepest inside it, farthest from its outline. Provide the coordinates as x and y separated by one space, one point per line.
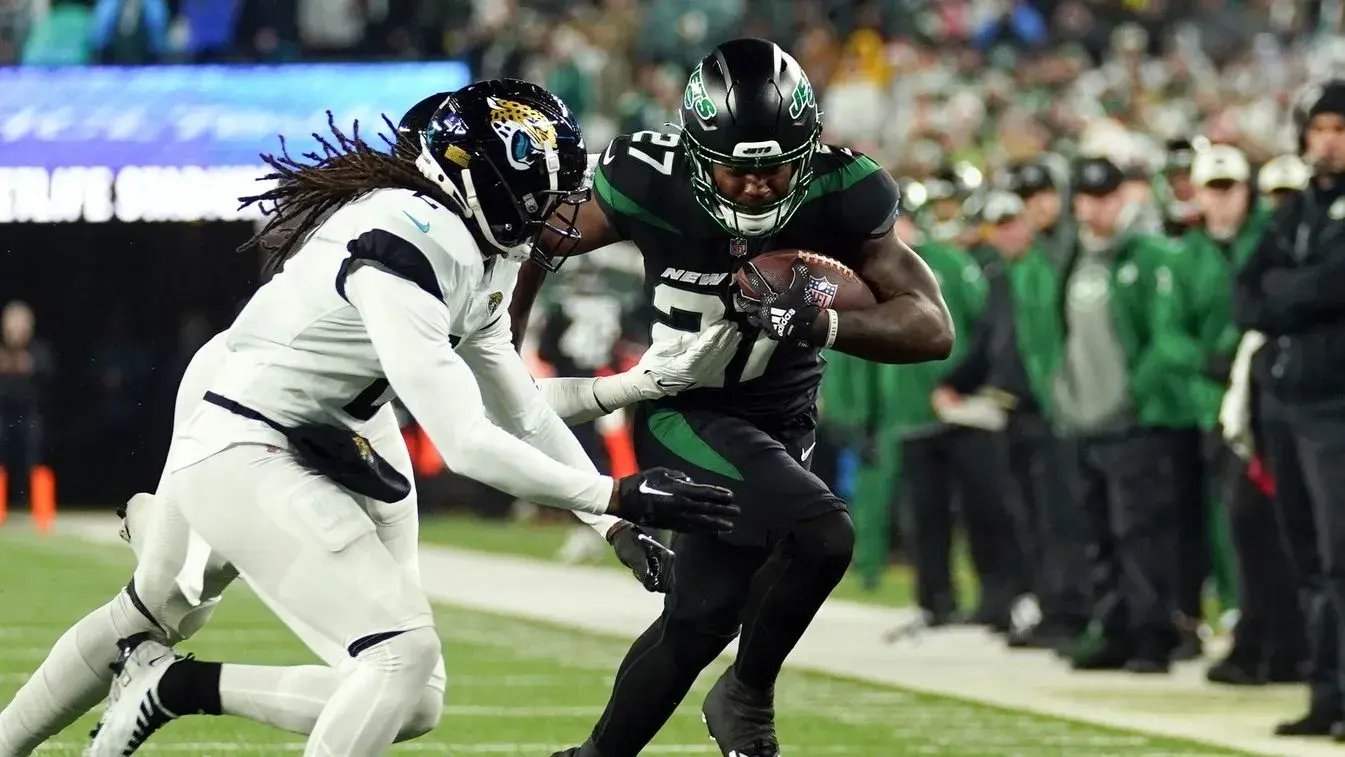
910 323
514 403
409 329
664 370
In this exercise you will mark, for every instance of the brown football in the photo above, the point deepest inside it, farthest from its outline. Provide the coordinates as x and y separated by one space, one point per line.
834 284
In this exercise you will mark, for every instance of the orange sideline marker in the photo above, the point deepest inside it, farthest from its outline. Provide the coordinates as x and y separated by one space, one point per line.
42 493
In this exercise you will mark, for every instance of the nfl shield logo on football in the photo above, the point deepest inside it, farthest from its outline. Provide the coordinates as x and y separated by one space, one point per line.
822 292
738 247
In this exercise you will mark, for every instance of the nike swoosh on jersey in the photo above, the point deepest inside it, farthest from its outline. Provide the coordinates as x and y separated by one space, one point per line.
808 451
645 488
424 227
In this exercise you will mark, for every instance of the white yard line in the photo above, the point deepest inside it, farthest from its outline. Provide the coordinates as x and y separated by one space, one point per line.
846 639
209 747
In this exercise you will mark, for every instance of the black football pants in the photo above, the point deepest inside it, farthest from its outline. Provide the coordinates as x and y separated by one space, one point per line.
1125 486
767 578
1305 450
1056 540
967 470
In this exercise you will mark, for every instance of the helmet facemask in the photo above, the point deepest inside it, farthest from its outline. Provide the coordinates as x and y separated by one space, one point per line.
477 174
742 219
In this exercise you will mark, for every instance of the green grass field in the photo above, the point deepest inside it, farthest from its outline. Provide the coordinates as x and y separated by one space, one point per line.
543 539
517 687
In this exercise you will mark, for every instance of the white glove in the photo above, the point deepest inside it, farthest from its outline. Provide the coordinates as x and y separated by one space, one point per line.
699 360
1235 412
670 367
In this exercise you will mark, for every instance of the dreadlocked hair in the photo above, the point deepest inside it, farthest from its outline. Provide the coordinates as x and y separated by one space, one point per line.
309 189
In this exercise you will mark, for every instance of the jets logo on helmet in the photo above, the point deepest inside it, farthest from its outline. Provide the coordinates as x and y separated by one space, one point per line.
695 98
525 131
802 99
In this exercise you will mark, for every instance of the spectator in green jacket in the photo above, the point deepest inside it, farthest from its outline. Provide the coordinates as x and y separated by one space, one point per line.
1224 235
1115 394
1007 362
1268 638
943 463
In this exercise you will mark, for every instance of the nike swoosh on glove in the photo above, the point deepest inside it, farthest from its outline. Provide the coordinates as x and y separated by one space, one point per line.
650 561
661 498
676 366
786 316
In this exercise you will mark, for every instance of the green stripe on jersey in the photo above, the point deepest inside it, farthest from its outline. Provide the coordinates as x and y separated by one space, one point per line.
673 432
841 178
625 205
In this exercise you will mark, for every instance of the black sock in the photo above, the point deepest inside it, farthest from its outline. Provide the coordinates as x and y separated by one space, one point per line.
787 592
191 687
656 675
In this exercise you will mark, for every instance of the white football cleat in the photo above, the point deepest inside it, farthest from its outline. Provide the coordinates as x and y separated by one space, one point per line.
133 711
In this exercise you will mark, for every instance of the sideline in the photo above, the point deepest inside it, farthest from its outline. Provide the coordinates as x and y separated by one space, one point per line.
846 639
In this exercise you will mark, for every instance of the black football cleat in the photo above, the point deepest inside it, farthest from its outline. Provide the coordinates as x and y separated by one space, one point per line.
1315 723
741 720
583 750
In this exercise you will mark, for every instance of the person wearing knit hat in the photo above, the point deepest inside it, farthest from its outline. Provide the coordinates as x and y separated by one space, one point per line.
1114 393
1289 291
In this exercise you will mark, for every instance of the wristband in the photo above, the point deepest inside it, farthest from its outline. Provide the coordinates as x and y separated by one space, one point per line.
833 327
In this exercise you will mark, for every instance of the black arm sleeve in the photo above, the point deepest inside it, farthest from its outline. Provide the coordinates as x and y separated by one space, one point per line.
971 372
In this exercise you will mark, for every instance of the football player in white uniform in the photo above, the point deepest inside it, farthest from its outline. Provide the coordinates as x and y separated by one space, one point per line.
400 288
178 582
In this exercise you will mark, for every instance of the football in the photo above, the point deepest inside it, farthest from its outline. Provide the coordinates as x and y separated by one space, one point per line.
834 285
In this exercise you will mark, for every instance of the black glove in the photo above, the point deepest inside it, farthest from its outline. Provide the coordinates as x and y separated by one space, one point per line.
786 316
660 498
650 561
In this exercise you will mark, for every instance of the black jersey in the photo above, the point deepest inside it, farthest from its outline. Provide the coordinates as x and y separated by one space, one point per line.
643 184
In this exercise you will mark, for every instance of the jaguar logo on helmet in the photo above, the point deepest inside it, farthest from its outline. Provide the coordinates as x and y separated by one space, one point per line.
523 129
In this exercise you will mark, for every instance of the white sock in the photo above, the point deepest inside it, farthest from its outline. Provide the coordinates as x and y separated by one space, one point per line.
72 680
292 698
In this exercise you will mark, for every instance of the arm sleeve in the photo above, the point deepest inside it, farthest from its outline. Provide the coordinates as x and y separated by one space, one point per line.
1253 309
1306 293
409 329
970 373
1172 350
514 403
580 400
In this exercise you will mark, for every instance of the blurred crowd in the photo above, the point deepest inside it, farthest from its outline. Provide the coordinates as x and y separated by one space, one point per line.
1031 138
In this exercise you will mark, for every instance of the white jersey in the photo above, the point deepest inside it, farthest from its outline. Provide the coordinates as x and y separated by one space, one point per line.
300 351
391 296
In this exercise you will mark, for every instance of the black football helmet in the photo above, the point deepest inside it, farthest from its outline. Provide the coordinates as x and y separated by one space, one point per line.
415 120
512 156
749 105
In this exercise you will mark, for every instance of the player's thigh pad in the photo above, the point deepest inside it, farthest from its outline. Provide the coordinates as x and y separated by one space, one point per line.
398 523
772 487
306 546
710 584
169 555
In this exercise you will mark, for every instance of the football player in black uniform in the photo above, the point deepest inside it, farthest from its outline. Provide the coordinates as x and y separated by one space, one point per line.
747 174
